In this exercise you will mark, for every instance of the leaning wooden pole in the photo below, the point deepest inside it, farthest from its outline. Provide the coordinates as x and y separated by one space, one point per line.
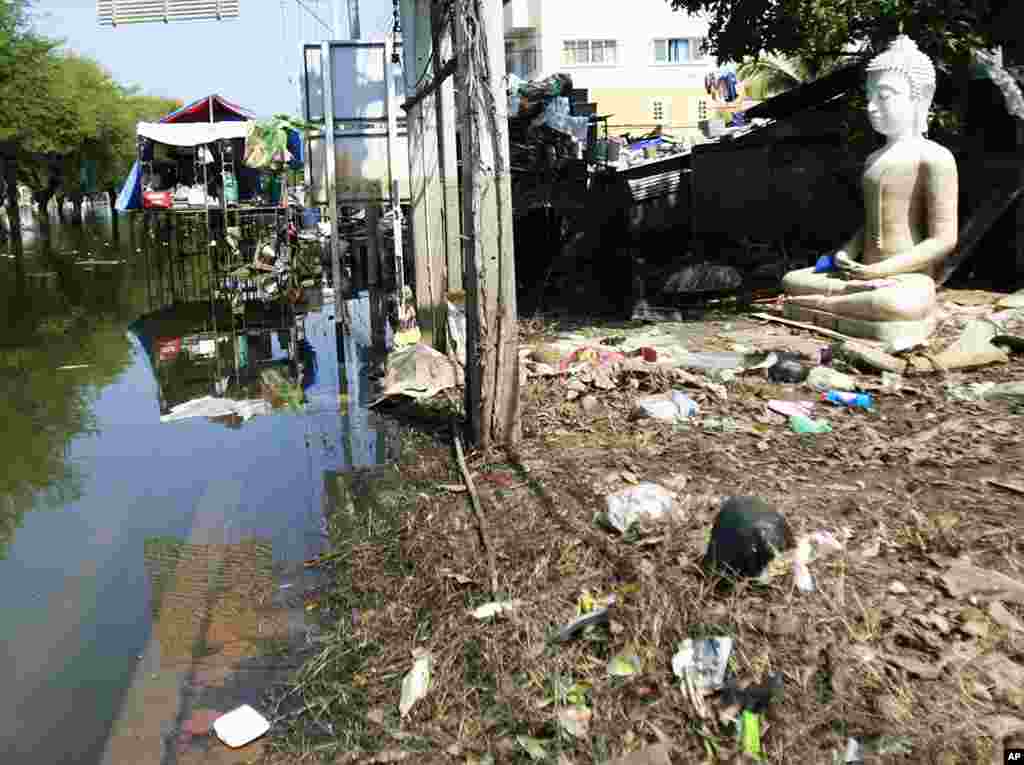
492 327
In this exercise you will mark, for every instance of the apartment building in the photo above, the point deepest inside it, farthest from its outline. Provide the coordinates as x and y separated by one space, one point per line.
640 61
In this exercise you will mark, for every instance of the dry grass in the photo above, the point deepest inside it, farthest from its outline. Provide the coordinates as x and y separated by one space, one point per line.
411 582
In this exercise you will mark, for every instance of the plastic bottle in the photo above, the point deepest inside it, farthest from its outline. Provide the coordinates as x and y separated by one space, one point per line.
856 400
803 424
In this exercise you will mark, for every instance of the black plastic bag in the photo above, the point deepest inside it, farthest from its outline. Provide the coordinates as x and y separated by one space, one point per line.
746 536
788 369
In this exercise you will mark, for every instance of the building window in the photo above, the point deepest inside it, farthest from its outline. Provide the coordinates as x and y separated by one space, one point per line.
660 110
678 50
599 52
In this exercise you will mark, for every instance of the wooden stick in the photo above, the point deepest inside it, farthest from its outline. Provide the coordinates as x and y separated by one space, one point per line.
800 325
477 510
322 559
1016 488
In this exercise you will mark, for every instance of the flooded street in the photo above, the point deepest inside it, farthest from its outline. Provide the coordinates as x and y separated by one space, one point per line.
152 560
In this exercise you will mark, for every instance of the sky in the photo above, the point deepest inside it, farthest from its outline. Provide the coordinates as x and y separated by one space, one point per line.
251 61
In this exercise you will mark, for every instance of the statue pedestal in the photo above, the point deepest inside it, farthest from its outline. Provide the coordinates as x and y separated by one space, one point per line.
884 331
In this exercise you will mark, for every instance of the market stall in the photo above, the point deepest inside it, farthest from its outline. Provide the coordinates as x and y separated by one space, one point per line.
221 189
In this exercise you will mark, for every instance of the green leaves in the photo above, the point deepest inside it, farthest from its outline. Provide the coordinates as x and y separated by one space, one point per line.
62 110
813 30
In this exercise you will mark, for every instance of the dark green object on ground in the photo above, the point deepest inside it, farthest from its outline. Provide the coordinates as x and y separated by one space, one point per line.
746 536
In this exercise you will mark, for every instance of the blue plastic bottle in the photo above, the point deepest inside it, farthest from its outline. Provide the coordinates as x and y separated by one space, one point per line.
856 400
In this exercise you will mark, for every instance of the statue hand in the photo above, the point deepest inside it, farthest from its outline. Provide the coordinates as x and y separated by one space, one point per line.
851 269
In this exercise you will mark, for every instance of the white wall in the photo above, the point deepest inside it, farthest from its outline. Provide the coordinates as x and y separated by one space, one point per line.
633 24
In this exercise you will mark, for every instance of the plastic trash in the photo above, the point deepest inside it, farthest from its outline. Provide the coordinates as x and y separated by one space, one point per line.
970 392
826 378
852 400
240 726
416 683
791 408
746 536
705 661
854 751
787 369
672 407
457 331
754 697
750 735
808 549
487 610
714 360
645 500
577 625
802 424
825 264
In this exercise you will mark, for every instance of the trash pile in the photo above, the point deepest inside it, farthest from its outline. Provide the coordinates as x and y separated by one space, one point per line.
545 138
728 541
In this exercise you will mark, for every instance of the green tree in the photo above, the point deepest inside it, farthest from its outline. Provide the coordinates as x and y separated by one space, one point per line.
62 110
775 74
817 29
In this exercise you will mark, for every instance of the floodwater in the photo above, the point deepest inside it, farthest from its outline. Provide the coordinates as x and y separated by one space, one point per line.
152 570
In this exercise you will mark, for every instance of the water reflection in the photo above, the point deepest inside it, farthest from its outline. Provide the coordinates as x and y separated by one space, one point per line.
170 559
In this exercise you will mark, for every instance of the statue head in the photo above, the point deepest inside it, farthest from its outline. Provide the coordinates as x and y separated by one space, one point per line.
900 88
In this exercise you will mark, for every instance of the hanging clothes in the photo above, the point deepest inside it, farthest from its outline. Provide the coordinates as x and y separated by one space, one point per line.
730 87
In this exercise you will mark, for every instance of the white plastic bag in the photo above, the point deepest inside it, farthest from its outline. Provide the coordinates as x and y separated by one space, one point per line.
645 500
675 406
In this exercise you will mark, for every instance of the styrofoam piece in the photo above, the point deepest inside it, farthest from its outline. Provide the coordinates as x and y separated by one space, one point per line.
240 726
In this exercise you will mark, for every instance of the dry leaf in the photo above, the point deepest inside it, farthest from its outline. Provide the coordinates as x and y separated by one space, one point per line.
390 755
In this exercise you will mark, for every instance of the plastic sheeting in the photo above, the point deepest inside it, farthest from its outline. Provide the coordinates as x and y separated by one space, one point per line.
192 134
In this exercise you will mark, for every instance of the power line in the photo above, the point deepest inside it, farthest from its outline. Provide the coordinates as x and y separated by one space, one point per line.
323 23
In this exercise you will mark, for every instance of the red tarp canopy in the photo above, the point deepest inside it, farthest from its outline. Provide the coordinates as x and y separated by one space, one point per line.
199 111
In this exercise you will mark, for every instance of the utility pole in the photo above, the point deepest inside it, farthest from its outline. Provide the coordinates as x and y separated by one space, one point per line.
492 322
353 19
336 19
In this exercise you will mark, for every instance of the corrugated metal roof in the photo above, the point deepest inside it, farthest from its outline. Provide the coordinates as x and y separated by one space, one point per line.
656 179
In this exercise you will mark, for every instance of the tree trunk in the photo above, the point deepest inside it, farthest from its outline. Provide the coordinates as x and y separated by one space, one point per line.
112 200
76 207
42 199
492 330
16 246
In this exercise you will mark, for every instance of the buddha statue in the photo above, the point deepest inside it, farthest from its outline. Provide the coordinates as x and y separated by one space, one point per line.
881 283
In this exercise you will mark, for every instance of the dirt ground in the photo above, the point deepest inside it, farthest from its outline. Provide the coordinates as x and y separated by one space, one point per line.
908 644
